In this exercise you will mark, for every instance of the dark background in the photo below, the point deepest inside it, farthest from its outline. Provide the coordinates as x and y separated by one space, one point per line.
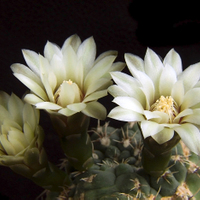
123 25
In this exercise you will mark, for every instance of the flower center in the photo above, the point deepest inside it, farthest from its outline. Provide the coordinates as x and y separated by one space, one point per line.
68 93
166 105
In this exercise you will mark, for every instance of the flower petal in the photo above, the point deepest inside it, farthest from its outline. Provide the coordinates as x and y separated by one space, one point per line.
96 110
190 76
44 71
173 59
32 85
126 115
48 106
77 107
190 136
102 83
177 92
134 63
150 128
87 52
67 111
32 60
95 96
129 103
191 98
115 91
194 118
99 70
167 80
50 50
163 136
22 69
182 114
74 41
129 85
32 99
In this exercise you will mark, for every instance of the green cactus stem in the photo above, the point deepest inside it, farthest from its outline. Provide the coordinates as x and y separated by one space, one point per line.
74 139
156 157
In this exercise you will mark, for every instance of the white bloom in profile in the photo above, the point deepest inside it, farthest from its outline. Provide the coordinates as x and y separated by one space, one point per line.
160 96
68 80
19 129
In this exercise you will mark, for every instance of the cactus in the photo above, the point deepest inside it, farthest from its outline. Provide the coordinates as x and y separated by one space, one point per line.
118 173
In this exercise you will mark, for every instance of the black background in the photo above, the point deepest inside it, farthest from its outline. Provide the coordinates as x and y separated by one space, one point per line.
123 25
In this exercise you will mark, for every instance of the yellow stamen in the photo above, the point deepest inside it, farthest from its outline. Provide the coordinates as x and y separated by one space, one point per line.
69 82
166 105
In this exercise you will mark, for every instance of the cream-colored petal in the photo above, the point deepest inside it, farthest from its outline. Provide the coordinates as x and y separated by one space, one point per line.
50 50
153 68
134 63
148 89
19 136
66 111
177 92
167 80
102 83
45 70
190 76
10 150
194 118
70 61
156 116
118 66
152 61
4 98
163 136
96 110
115 91
15 107
48 106
17 145
191 98
32 99
28 133
29 116
74 41
99 70
182 114
52 79
22 69
58 69
95 96
77 107
190 135
150 128
129 103
10 123
105 54
130 85
4 114
173 59
126 115
32 60
32 85
87 53
68 94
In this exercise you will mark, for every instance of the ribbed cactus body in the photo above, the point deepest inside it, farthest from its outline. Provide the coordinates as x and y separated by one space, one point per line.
118 172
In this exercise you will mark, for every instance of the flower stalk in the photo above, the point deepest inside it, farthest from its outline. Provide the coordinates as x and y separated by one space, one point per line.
156 157
74 139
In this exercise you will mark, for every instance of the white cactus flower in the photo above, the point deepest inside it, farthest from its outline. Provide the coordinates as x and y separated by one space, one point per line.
160 96
68 80
19 129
